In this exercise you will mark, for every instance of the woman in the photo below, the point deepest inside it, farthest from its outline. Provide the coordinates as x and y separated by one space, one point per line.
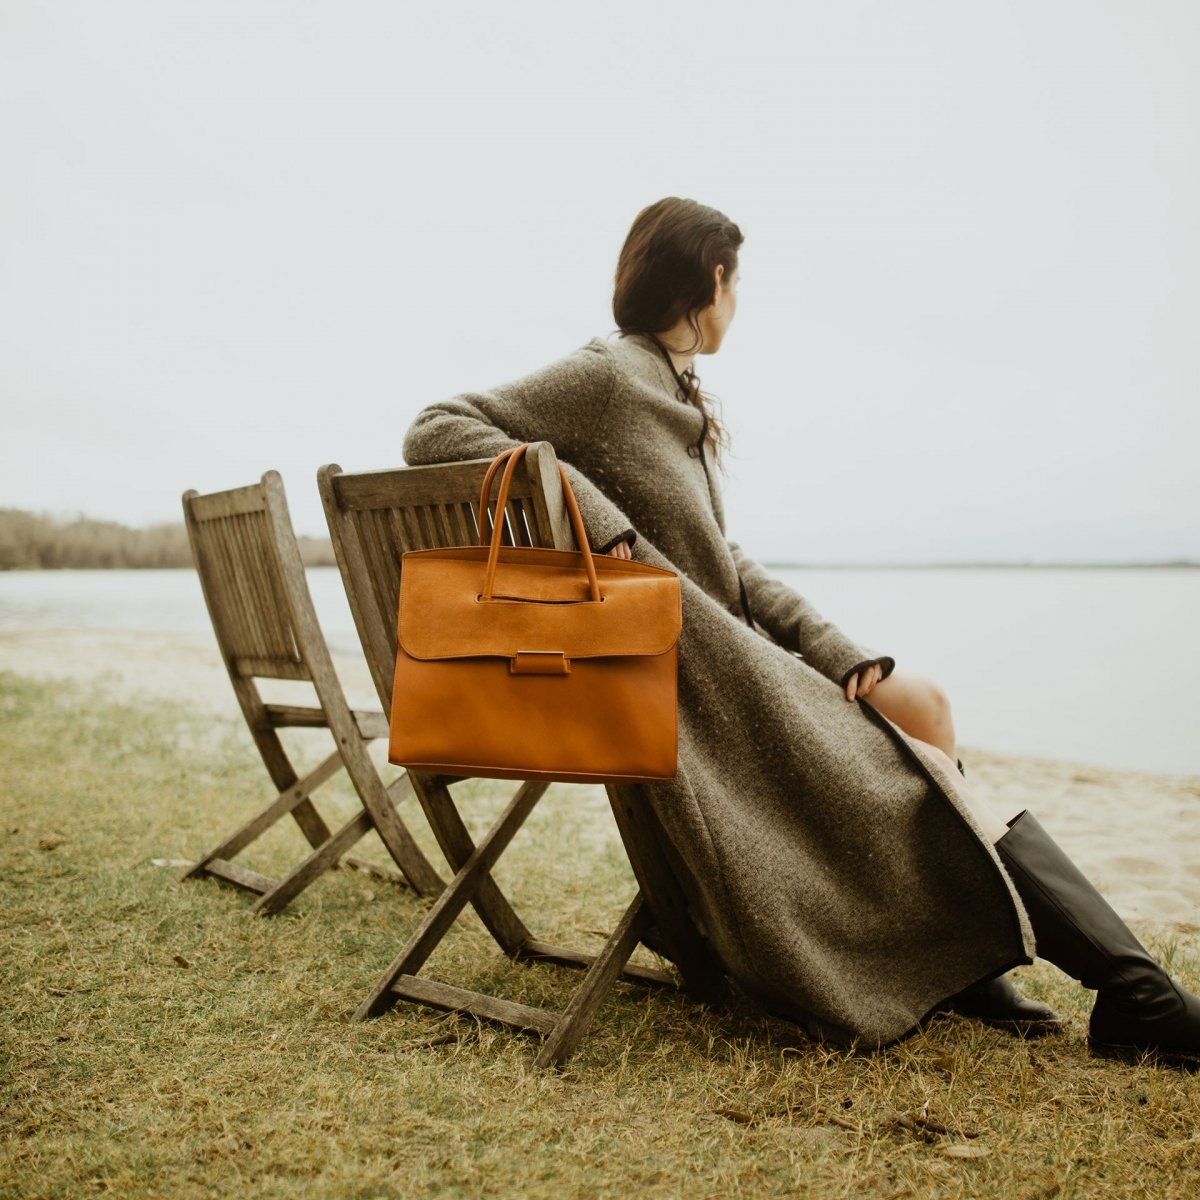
831 852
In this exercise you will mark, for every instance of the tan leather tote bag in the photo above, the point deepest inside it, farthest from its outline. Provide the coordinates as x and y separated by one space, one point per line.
521 663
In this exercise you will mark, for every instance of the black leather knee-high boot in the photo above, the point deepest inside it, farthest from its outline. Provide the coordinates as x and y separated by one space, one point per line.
1138 1010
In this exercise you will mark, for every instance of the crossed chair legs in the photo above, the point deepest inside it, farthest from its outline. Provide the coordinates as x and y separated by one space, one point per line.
328 847
657 903
473 884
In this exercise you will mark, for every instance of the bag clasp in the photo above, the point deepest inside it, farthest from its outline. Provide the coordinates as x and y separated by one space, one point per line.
539 662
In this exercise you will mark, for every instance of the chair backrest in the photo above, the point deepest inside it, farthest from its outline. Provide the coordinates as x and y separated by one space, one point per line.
253 581
376 516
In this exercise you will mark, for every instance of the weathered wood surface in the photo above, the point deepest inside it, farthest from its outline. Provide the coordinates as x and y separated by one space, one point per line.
317 863
252 881
491 1008
536 951
254 585
460 892
572 1025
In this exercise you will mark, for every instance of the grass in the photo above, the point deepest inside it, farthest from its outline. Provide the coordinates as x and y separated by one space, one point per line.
155 1041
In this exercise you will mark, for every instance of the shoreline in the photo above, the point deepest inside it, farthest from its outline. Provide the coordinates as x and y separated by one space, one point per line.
1135 833
327 560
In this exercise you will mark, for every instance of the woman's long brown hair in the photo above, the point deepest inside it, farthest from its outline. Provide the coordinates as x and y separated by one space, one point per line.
665 273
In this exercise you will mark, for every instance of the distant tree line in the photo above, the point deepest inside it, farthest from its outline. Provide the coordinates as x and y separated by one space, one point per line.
32 541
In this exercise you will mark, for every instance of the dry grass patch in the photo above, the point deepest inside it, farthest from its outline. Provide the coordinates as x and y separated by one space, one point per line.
157 1041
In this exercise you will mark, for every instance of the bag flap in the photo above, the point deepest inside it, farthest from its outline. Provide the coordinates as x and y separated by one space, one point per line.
541 602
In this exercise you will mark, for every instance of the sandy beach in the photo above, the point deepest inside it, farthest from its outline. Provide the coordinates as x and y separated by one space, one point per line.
1137 834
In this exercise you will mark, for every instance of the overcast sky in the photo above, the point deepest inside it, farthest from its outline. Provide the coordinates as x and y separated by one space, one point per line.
241 235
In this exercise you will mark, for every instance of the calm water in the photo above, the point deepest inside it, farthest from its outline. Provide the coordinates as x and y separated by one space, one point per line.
1096 666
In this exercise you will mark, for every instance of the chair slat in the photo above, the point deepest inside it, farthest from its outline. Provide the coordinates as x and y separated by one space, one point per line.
451 522
393 531
460 525
271 668
516 523
443 530
410 528
384 561
426 522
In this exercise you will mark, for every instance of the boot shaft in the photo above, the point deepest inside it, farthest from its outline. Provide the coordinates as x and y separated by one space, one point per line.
1138 1009
1075 927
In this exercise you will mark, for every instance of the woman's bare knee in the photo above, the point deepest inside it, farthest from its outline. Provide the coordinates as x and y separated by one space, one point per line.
940 719
919 706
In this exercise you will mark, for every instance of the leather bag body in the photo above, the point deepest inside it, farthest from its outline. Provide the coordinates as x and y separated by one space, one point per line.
524 663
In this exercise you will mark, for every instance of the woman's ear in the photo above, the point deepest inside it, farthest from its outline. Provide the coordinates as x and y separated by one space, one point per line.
718 282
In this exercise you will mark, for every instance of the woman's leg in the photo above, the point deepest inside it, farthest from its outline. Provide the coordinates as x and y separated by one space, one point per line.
919 707
993 827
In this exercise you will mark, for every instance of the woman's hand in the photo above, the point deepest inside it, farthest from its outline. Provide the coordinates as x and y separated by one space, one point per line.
620 550
862 683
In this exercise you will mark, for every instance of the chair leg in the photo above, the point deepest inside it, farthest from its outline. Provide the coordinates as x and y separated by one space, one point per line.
381 802
646 844
457 845
490 903
286 802
315 864
283 774
610 962
472 878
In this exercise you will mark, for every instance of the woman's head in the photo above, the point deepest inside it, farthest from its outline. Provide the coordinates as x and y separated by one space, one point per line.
676 281
677 274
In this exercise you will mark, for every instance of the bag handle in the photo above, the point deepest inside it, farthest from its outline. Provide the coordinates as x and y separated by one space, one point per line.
509 459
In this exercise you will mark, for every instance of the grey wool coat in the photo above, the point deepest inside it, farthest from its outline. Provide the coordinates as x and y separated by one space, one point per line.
836 873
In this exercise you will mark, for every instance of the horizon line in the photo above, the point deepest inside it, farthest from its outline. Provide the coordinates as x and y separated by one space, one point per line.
992 564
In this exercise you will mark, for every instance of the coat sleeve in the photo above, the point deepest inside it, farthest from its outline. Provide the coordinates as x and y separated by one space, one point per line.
562 404
796 625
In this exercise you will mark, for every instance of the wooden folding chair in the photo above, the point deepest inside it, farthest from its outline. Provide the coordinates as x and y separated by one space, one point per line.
262 613
374 517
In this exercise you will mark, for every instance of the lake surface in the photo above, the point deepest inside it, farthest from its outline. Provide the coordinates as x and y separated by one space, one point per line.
1091 665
